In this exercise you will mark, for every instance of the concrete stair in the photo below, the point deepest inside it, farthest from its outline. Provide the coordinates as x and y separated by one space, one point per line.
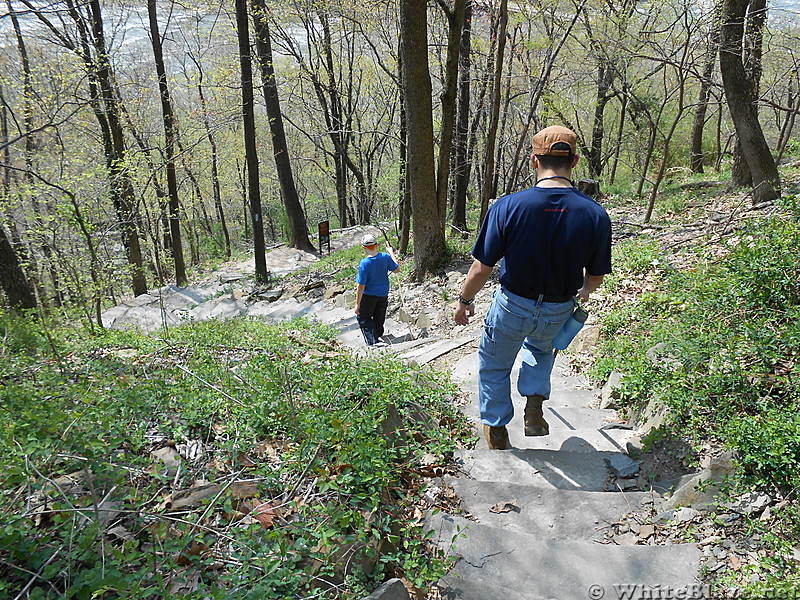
564 569
548 540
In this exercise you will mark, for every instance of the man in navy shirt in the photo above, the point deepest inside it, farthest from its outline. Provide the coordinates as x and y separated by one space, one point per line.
372 293
555 244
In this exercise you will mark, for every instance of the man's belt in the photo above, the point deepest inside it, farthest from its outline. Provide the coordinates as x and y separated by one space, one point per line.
545 297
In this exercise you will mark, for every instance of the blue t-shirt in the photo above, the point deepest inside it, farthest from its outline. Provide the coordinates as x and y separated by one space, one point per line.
546 236
373 272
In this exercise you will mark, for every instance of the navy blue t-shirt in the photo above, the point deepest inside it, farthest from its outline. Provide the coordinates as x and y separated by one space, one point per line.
546 237
373 272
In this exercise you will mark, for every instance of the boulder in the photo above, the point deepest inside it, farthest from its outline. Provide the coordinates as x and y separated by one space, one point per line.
404 317
700 491
391 590
587 338
346 300
334 290
611 391
270 295
622 465
653 416
660 356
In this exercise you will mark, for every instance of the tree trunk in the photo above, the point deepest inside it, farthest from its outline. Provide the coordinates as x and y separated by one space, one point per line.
122 192
214 157
28 94
752 42
491 136
618 143
605 77
250 146
698 125
12 278
298 229
168 116
460 167
666 154
6 177
651 144
455 19
788 122
427 216
742 104
405 187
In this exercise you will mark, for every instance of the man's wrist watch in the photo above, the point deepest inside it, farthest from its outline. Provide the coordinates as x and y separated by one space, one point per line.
466 302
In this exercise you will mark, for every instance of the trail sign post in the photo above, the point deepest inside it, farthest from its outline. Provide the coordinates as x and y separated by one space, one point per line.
324 236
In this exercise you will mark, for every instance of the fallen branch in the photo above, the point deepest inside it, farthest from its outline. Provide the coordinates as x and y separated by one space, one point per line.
212 386
639 225
23 592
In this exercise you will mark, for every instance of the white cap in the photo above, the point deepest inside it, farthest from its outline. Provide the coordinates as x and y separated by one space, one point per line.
368 240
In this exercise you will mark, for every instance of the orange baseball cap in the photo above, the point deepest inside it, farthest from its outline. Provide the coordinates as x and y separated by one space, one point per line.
544 141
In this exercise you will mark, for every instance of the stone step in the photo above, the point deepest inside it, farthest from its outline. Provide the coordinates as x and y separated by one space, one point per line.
562 410
562 439
353 337
281 310
466 369
222 308
548 513
403 347
565 470
567 408
567 570
453 587
426 354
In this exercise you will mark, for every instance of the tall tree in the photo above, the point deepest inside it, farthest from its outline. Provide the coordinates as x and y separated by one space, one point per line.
88 42
12 278
742 104
250 146
755 19
461 137
455 21
698 126
28 95
333 80
428 217
491 136
298 228
168 117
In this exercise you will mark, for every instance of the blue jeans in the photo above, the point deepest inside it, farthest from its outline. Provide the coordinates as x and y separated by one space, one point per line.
514 322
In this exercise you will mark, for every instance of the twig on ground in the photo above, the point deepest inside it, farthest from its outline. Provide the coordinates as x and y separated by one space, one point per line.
639 225
37 575
211 385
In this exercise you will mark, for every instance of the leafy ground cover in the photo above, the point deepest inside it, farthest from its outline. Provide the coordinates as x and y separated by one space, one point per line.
227 460
713 332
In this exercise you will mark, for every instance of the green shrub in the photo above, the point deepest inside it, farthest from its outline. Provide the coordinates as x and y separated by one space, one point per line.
282 407
731 334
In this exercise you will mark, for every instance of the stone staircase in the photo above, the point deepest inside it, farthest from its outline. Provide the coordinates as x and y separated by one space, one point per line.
171 305
554 499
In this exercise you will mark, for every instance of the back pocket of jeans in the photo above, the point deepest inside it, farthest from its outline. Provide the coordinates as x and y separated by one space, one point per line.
511 322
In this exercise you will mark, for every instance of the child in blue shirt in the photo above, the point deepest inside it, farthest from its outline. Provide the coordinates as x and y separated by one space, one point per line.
372 293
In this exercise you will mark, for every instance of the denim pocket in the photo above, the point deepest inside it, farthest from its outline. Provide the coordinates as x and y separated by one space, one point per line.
508 319
487 345
552 323
551 328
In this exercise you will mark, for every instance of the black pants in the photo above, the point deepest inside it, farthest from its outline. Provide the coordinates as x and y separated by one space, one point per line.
371 316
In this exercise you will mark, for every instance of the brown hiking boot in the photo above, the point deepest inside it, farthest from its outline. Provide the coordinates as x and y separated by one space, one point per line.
496 437
535 424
